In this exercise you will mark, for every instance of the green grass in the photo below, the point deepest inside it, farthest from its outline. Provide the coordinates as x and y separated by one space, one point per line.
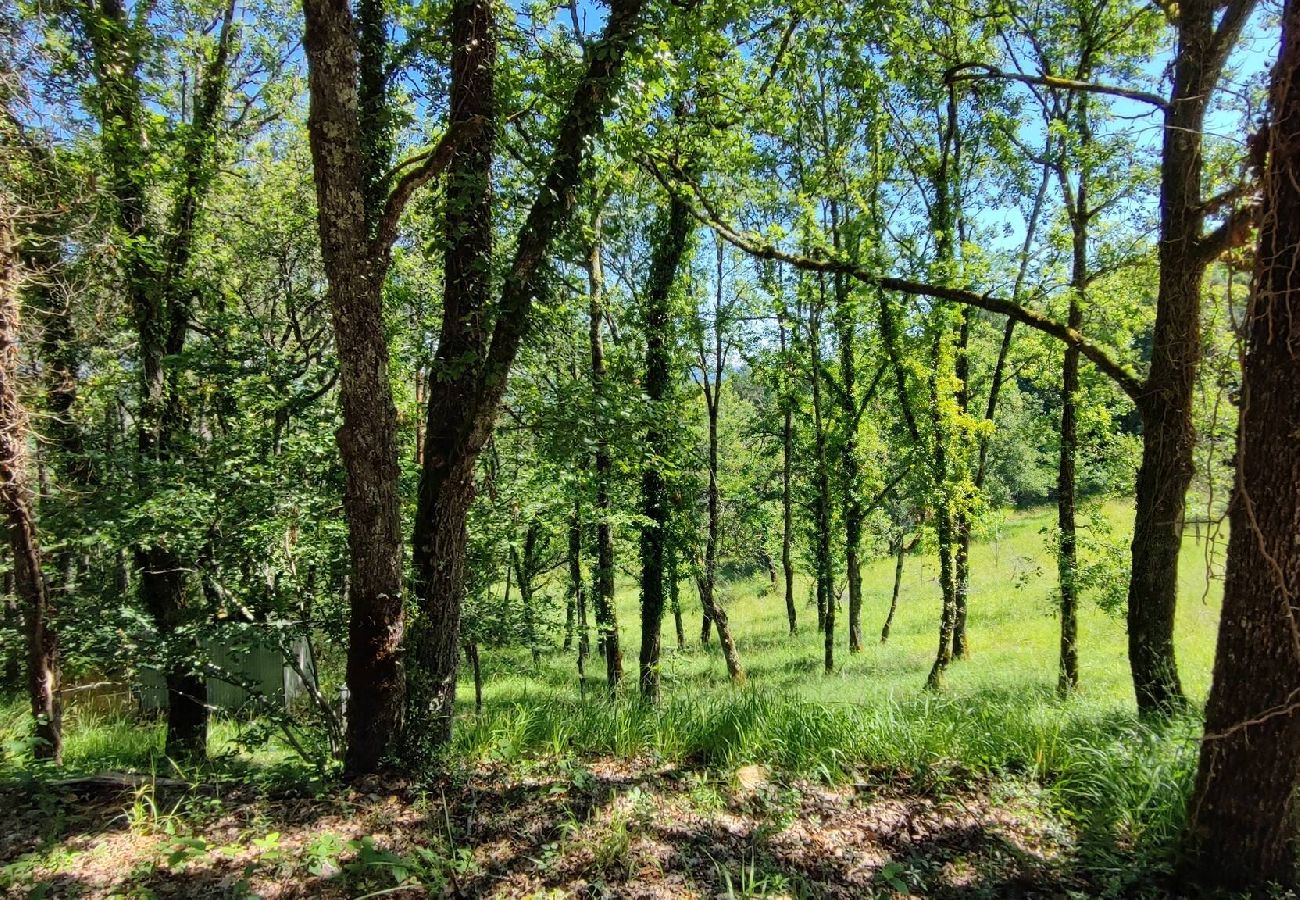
1013 630
1122 785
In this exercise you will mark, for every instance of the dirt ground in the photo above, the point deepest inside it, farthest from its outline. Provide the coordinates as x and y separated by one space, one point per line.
597 829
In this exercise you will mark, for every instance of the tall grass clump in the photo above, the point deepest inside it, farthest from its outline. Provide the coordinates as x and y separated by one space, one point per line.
1122 783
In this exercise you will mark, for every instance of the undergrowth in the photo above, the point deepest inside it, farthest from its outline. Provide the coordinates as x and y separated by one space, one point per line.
1122 784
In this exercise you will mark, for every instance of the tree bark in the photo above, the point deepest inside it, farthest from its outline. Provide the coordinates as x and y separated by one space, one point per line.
787 494
899 553
471 654
850 468
1076 203
1166 470
472 367
961 517
672 236
822 504
1241 832
576 610
367 439
43 674
455 431
712 386
675 597
606 616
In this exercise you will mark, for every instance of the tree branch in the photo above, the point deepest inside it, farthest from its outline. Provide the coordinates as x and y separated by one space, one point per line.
1234 232
427 166
822 260
984 72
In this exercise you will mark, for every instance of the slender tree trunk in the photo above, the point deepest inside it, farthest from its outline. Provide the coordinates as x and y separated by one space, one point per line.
1242 829
675 598
606 615
945 528
1067 562
825 566
577 584
16 500
948 614
471 655
945 221
670 248
899 553
1077 199
960 516
787 498
850 469
713 611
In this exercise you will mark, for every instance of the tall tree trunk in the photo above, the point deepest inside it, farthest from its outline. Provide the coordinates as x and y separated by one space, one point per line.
1205 37
606 616
787 472
961 517
367 439
944 527
455 432
1076 203
576 609
945 222
822 504
43 673
673 234
1066 560
948 613
1242 829
850 469
713 611
471 372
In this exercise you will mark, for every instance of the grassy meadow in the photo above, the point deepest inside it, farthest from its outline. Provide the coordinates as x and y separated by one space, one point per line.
1012 625
1107 792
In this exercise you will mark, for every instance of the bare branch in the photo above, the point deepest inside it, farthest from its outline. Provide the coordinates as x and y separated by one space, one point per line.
984 72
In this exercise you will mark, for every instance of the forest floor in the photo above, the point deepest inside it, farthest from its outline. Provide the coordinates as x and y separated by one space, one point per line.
626 828
801 785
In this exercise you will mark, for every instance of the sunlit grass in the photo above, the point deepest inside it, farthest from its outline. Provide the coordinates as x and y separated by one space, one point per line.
1013 629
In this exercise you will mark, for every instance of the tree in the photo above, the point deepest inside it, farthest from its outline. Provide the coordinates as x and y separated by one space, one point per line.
474 357
603 593
1241 830
712 366
358 218
155 267
672 236
43 674
1205 36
